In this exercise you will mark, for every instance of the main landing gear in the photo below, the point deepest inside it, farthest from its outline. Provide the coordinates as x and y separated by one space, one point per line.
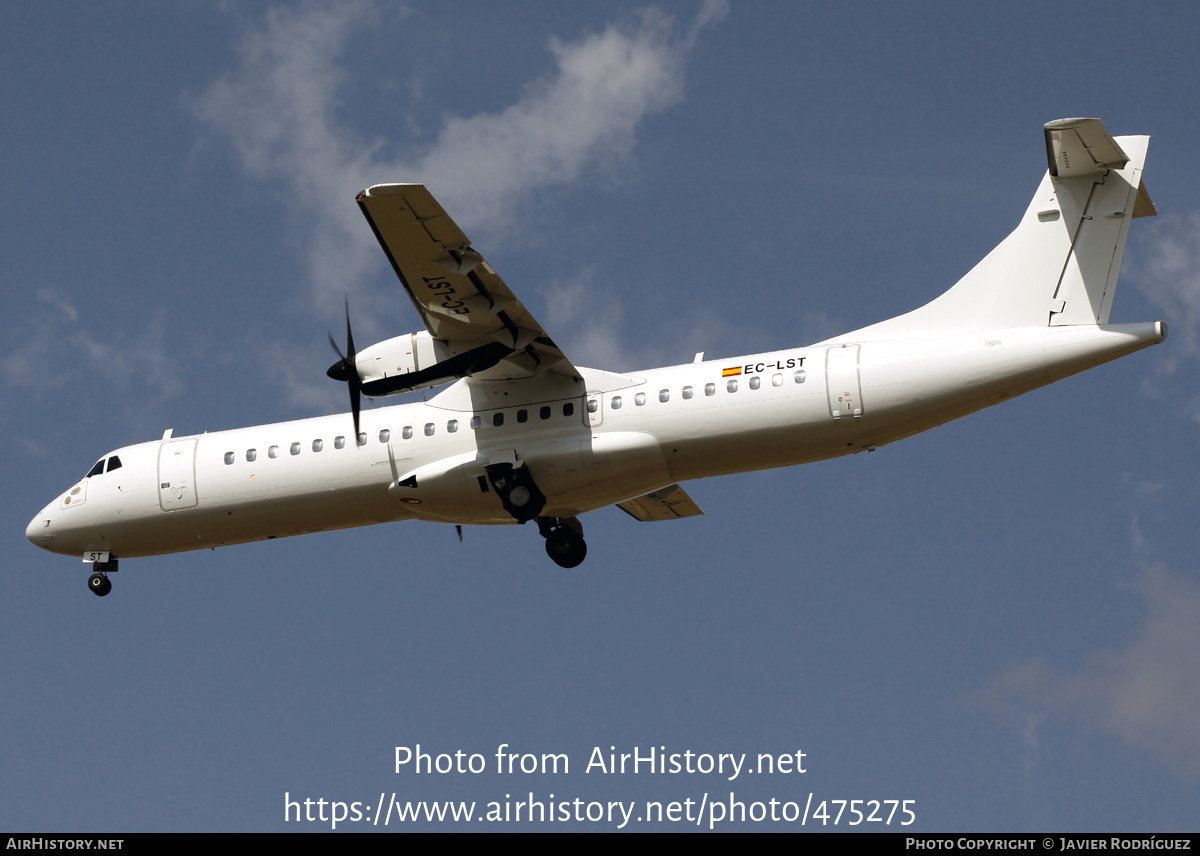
519 495
524 501
564 540
99 582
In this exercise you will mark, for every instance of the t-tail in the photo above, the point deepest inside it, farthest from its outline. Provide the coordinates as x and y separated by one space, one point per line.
1060 266
1034 311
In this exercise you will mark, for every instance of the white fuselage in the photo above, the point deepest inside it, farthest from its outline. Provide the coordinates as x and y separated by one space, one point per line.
622 437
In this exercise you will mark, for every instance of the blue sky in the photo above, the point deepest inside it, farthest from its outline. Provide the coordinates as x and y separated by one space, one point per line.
999 619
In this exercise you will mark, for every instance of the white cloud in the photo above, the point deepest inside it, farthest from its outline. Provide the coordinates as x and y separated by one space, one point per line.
1168 274
280 111
58 349
64 306
289 367
591 330
591 333
1147 692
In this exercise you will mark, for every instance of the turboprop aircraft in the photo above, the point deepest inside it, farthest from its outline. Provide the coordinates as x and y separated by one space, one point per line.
522 434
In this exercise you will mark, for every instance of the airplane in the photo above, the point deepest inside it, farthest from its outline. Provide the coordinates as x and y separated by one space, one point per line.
520 433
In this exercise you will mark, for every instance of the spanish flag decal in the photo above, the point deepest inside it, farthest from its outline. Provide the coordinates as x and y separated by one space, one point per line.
733 372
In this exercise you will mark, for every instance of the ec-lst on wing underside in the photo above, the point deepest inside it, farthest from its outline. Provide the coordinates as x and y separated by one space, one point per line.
474 325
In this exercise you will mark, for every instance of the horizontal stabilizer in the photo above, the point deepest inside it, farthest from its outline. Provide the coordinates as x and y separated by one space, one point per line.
670 503
1078 147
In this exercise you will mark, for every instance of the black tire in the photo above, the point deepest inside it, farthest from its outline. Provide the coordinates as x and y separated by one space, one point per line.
565 547
99 584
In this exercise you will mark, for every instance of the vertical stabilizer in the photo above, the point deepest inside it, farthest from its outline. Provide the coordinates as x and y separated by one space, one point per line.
1060 265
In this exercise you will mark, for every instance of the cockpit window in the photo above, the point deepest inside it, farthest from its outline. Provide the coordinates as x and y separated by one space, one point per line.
114 463
96 470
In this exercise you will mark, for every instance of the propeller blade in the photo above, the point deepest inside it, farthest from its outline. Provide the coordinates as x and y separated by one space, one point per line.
339 370
355 402
349 334
346 370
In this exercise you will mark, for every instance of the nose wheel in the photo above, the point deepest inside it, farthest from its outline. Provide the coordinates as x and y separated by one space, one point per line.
564 540
99 582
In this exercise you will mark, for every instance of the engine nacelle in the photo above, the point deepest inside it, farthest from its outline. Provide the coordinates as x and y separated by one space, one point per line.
418 361
400 355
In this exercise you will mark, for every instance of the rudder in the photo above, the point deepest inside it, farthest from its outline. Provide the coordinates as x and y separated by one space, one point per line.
1060 265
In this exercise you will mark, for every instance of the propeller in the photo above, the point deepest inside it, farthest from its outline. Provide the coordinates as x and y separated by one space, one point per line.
346 370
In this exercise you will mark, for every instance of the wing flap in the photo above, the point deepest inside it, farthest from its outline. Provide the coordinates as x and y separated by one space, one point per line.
669 503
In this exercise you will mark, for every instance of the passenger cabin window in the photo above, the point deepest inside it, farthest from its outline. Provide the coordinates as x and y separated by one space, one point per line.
429 429
522 416
664 395
497 419
339 442
544 413
99 468
252 455
639 399
273 452
800 376
710 389
406 432
229 457
362 438
615 404
295 449
385 435
776 380
755 382
569 409
593 405
452 425
476 421
687 392
731 386
318 445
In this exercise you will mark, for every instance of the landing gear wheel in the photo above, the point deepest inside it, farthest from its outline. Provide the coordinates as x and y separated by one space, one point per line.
566 547
99 584
517 491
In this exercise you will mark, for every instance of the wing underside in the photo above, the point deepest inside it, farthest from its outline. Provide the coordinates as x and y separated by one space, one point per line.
460 298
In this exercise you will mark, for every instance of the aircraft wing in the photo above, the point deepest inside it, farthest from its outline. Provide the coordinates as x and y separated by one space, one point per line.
458 295
670 503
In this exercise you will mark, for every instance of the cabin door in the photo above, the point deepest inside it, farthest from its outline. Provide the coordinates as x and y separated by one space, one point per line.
177 474
842 381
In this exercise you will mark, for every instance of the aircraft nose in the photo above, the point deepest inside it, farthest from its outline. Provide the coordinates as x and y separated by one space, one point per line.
38 529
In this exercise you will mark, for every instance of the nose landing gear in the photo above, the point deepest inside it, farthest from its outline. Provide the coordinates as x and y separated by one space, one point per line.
99 582
564 540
